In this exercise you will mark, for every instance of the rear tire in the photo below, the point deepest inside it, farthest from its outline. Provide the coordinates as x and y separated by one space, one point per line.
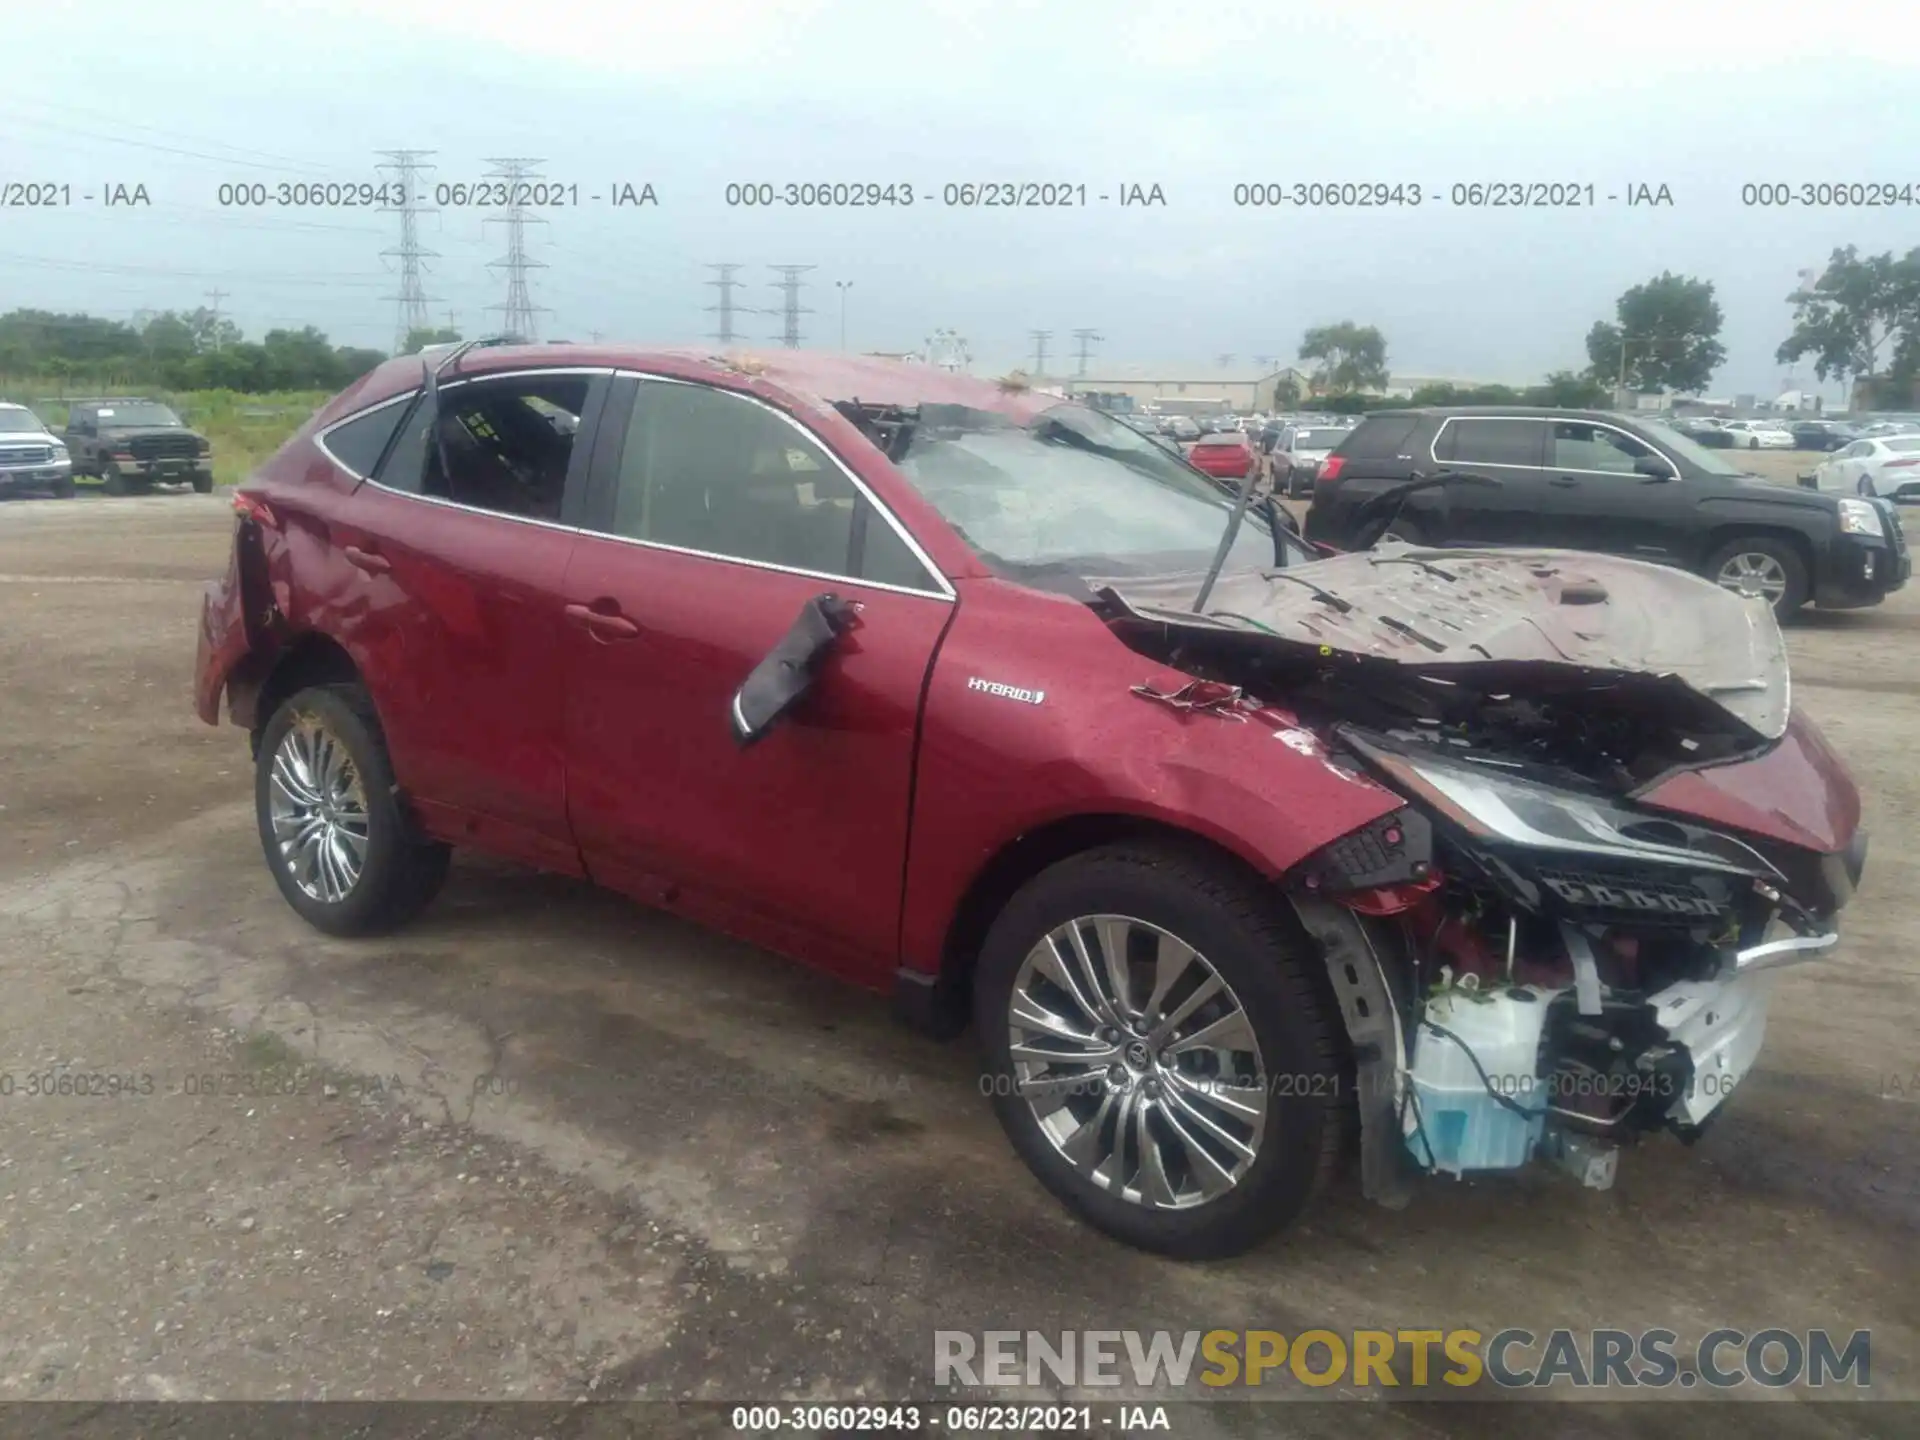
325 803
1772 566
1240 932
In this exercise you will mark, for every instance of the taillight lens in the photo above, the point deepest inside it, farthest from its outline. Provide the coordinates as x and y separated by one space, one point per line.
1331 467
1900 464
252 507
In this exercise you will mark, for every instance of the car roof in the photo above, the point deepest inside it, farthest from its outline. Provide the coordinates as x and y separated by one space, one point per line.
1508 412
816 377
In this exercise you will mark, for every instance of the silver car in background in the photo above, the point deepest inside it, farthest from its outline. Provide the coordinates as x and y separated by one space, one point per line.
1298 453
32 457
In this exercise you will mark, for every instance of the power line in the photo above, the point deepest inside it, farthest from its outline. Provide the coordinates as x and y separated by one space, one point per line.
1040 339
1085 339
413 299
280 166
89 267
791 310
517 312
726 309
279 159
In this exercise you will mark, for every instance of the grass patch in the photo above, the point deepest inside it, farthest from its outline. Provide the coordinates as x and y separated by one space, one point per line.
244 430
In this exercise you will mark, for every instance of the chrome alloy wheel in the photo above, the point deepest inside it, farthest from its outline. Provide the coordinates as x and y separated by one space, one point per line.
1138 1062
319 811
1754 573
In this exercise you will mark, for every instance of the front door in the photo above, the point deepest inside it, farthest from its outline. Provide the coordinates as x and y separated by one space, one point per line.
1596 497
714 519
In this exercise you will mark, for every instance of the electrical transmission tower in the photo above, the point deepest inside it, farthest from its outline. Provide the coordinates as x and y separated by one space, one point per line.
1040 339
517 312
726 309
1086 339
406 167
213 324
791 310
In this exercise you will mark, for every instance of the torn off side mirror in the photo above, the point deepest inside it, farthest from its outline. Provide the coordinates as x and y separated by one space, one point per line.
776 684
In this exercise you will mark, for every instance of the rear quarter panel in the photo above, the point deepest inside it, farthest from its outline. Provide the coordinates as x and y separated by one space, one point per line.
993 768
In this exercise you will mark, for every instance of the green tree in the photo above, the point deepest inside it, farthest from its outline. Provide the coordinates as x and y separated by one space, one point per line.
1856 313
418 339
1286 392
1346 357
1564 390
1665 336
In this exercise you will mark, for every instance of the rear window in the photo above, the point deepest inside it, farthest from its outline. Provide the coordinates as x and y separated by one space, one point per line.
360 442
1904 447
1491 442
1380 438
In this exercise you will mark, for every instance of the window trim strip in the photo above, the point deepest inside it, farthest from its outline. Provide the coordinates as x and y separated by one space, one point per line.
945 593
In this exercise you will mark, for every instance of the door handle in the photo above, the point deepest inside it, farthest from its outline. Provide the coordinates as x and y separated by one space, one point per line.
1565 482
366 560
602 624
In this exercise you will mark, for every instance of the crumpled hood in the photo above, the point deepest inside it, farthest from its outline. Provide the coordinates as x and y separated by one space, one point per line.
1443 610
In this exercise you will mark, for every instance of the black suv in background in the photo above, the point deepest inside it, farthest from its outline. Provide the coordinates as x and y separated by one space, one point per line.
132 444
1592 480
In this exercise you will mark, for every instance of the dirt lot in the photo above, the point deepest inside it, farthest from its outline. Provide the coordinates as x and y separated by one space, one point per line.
566 1147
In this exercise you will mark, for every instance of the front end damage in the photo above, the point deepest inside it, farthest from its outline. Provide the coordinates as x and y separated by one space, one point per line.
1617 831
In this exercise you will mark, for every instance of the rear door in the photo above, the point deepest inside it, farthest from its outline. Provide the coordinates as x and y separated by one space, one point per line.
714 519
446 584
1507 452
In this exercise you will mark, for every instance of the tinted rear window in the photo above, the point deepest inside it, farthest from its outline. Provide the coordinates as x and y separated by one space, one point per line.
1381 438
1904 447
1491 442
360 442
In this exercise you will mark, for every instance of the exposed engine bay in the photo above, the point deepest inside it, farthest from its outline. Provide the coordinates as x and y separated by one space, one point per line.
1570 961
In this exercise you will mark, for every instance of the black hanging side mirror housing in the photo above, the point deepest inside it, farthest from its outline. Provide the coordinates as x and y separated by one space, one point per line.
776 684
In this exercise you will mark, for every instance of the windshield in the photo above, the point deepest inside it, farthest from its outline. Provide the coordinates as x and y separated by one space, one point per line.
1696 455
139 412
1072 489
15 422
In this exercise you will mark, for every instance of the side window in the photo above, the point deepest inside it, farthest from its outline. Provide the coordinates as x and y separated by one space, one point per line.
1856 450
1493 442
706 470
507 444
80 420
1595 447
360 442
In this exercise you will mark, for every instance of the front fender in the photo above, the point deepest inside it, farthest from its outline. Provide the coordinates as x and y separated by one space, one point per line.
997 763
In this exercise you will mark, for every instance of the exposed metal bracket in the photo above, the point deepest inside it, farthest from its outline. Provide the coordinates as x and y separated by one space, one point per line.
1586 970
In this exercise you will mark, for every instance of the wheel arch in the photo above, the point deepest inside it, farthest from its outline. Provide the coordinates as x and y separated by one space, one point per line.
312 658
940 1003
1726 532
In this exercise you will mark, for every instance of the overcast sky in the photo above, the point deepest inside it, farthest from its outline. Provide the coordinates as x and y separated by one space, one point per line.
1193 97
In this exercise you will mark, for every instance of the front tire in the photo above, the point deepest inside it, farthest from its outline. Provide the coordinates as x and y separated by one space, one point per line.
1158 1051
335 838
203 484
1762 565
113 482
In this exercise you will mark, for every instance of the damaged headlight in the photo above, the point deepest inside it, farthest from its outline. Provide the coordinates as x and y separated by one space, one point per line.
1860 517
1507 809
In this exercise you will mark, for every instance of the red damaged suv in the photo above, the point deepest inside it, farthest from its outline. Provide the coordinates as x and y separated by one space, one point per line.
1241 859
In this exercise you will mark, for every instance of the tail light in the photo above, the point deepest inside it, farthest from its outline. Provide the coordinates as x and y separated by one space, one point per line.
252 507
1900 464
1330 468
120 455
